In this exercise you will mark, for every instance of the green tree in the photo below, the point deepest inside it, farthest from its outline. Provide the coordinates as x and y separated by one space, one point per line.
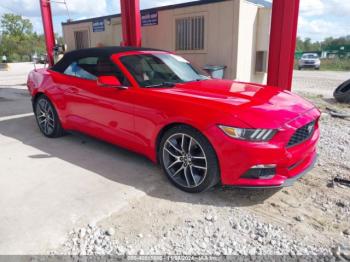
300 45
307 45
18 41
16 25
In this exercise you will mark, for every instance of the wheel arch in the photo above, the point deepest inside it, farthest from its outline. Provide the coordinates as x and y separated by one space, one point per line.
216 179
35 97
41 93
167 127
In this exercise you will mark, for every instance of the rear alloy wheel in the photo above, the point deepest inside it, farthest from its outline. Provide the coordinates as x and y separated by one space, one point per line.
188 159
47 118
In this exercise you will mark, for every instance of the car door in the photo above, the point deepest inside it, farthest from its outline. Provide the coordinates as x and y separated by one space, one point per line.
104 112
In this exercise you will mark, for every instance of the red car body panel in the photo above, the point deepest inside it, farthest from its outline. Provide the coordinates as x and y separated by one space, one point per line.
134 118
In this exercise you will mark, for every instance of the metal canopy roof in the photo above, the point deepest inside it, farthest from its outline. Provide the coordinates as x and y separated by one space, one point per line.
263 3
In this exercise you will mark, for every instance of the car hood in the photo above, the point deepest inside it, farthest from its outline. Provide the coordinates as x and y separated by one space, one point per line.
257 105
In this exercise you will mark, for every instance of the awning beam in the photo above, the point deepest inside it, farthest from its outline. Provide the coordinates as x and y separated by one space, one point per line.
284 24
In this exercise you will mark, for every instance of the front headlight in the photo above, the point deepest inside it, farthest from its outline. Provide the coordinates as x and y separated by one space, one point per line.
248 134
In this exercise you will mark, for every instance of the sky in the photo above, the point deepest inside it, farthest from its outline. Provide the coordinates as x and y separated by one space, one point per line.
318 18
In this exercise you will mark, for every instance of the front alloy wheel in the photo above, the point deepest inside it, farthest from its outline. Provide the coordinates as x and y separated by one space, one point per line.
188 159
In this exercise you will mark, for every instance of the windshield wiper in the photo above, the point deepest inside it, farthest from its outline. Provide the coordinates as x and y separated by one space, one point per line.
165 84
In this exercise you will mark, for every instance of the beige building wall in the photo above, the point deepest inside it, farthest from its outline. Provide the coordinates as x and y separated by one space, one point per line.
219 20
263 40
253 36
111 36
246 40
263 30
234 31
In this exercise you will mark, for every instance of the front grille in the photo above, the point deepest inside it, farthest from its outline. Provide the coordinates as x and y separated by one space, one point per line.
302 134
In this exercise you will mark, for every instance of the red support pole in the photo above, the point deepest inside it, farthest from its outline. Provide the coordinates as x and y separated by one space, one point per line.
282 42
131 22
48 29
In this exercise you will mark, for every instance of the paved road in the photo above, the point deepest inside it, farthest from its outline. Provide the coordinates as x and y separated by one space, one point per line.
318 82
16 74
49 186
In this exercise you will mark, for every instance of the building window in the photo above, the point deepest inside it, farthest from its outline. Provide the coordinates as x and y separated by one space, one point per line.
190 33
81 39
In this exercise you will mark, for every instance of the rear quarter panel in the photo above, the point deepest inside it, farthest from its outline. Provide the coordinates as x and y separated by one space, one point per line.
43 81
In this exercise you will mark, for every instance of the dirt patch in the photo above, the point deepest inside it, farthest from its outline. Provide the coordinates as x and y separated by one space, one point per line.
309 218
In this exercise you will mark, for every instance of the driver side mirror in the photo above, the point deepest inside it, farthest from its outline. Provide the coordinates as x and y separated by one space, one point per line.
110 81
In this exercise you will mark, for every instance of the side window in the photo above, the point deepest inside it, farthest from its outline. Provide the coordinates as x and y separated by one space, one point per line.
92 67
83 68
88 61
105 67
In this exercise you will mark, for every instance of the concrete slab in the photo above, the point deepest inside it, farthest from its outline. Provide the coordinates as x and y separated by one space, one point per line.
49 186
16 73
314 82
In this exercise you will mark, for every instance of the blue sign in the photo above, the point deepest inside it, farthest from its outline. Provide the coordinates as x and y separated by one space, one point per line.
98 25
149 18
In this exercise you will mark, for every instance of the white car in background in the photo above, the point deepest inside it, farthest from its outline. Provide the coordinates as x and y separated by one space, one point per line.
309 60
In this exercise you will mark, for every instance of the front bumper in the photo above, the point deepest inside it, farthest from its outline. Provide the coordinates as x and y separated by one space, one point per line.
237 157
309 64
288 182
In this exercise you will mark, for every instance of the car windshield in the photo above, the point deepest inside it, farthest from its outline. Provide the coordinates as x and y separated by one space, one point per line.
312 56
152 70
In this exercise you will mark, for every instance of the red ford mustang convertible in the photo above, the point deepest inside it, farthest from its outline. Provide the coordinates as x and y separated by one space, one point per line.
202 131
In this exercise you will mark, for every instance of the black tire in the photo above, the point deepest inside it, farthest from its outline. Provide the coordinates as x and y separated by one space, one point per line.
52 128
196 181
342 93
299 68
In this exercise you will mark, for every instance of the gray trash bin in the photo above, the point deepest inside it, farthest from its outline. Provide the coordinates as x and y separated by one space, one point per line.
216 71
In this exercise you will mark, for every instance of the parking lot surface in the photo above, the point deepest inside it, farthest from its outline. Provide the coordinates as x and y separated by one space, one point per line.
314 82
50 187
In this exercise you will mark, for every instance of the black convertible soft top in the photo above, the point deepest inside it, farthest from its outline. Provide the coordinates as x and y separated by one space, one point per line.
72 56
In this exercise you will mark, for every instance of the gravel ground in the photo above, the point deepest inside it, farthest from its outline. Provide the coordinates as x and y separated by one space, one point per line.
238 233
310 218
318 82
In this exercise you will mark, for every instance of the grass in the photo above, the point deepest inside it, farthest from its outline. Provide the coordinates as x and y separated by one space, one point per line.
335 64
